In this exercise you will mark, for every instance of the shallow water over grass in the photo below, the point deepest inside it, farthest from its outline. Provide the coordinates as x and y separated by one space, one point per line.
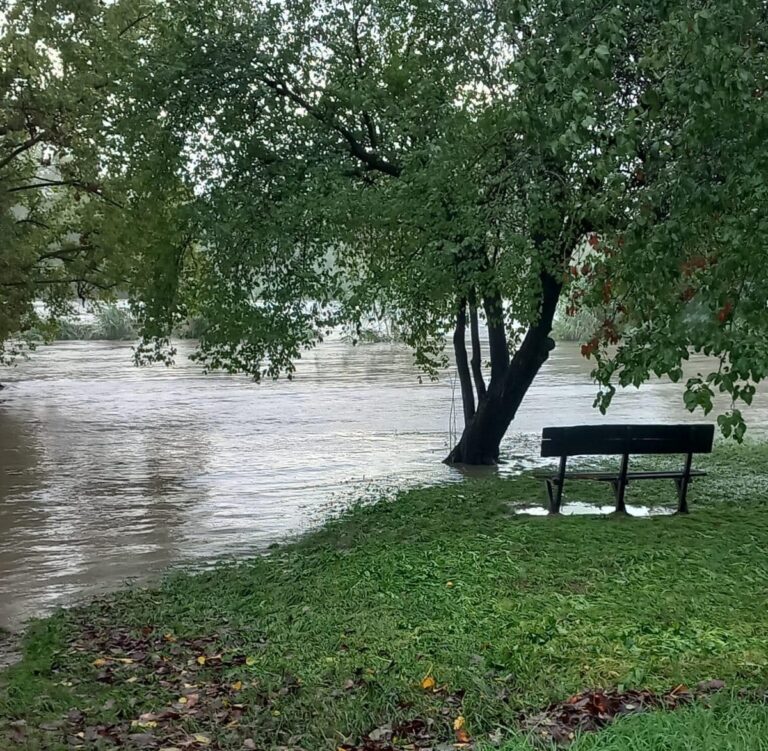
579 508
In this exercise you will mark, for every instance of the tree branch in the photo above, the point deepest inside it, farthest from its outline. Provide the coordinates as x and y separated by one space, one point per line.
45 282
497 340
477 363
536 345
462 365
371 159
63 254
34 222
134 23
20 149
72 183
360 64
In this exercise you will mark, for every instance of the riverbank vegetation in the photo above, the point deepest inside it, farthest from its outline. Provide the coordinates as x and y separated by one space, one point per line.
436 616
109 322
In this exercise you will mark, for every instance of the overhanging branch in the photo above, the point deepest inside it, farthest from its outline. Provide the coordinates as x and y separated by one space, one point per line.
371 159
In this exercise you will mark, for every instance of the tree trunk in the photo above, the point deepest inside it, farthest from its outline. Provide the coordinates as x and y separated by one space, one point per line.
510 379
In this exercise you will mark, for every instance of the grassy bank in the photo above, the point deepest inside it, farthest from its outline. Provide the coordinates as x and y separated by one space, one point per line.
438 606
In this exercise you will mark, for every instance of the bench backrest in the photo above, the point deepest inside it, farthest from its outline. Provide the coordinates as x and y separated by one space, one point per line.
595 440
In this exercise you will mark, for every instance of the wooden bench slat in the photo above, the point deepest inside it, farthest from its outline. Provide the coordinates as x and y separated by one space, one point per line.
670 475
596 440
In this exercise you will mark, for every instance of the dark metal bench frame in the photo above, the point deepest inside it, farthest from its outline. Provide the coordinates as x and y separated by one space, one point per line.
623 440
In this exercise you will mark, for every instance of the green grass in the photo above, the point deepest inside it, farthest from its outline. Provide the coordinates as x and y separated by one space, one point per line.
331 636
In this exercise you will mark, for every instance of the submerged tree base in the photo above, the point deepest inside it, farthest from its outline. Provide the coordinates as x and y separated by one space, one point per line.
438 608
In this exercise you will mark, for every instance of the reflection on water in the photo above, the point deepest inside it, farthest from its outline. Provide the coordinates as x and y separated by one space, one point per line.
108 472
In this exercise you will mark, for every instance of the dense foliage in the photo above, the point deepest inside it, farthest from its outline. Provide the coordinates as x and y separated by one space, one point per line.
74 209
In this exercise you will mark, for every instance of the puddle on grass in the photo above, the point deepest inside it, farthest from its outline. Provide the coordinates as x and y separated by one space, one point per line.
577 508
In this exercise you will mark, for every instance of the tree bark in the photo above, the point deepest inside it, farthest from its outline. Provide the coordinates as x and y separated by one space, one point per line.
510 379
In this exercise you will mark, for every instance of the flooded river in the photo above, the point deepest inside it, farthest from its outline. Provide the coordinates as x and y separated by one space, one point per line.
110 473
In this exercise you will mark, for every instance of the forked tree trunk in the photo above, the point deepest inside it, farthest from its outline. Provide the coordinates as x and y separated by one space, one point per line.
510 379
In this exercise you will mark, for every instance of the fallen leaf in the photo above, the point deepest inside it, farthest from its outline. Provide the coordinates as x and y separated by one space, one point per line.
462 736
237 685
99 662
428 683
144 740
458 723
203 740
201 660
144 723
250 661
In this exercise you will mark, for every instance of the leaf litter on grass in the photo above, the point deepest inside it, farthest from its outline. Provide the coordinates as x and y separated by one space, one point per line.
589 711
201 704
203 701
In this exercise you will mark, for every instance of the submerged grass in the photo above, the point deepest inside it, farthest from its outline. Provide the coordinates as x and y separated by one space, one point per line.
329 637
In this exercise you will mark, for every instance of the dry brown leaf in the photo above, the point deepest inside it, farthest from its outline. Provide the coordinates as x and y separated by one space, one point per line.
462 736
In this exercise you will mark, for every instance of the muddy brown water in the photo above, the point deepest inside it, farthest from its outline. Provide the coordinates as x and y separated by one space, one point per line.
109 473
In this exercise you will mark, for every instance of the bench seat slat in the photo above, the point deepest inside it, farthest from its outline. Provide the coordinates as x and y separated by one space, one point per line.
609 476
627 439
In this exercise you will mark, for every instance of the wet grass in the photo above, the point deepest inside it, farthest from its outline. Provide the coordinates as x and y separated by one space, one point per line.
328 638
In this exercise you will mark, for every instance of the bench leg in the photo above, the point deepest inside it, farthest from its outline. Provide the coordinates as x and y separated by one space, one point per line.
558 499
682 486
620 485
550 495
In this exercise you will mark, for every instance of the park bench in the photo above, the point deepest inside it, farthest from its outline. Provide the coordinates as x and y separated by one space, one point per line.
623 440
